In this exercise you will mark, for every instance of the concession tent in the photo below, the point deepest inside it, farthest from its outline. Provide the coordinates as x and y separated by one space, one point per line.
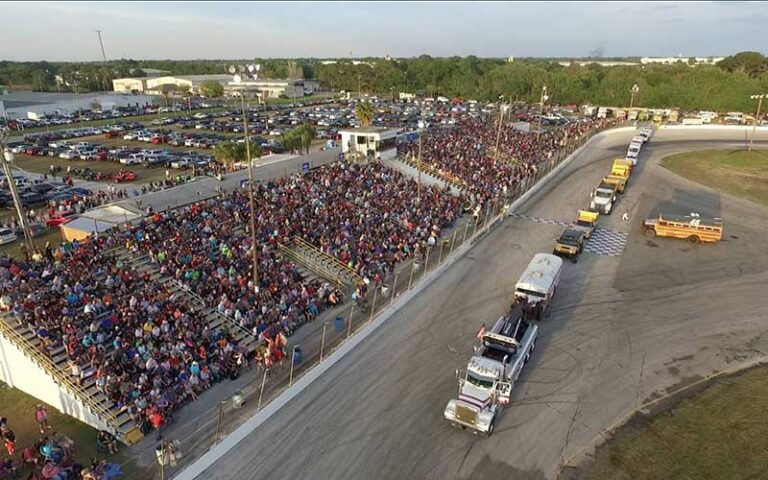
97 220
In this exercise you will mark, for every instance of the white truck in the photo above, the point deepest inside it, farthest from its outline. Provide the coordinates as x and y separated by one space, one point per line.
604 196
602 112
486 386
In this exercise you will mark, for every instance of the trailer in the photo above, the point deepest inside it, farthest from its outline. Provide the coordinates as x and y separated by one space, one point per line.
486 385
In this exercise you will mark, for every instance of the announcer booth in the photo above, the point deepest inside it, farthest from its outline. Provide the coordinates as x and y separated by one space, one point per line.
368 141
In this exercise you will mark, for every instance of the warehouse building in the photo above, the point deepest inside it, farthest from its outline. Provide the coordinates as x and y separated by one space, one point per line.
270 87
34 105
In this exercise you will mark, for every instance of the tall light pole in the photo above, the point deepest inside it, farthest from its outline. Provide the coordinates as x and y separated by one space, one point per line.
101 42
422 126
253 70
759 99
635 88
543 99
502 109
6 158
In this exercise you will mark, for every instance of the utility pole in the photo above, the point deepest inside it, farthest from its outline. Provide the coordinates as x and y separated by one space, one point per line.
498 133
101 42
6 159
250 193
543 99
635 88
759 99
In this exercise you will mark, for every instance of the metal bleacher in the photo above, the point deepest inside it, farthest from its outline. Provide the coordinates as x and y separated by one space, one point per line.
313 263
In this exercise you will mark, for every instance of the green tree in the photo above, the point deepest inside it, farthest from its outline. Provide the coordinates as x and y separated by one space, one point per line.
211 89
306 134
229 153
364 113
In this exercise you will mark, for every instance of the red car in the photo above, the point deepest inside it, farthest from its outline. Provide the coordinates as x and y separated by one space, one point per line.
125 176
57 220
102 155
32 150
112 135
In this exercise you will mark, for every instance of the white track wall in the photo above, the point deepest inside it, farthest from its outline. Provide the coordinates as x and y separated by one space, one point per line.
19 371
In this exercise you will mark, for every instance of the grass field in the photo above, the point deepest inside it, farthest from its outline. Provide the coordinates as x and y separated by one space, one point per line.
718 434
738 172
19 409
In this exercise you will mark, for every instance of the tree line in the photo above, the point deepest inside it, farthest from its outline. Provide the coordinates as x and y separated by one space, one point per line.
725 86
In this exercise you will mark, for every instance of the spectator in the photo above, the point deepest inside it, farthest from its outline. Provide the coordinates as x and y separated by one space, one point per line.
41 415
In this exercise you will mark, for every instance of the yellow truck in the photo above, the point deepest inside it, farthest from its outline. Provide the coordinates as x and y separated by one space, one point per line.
658 118
586 222
620 172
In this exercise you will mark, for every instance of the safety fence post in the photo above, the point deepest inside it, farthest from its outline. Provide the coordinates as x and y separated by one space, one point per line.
373 304
413 268
426 265
440 257
394 290
349 323
261 392
453 242
322 342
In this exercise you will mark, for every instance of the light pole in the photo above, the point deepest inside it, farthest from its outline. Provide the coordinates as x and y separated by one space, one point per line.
635 88
253 70
543 99
502 110
6 158
759 99
422 126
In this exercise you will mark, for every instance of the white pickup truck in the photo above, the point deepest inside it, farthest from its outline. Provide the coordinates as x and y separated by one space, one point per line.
491 373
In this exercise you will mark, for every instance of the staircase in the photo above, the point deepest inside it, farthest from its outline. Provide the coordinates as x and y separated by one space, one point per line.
142 264
314 263
429 175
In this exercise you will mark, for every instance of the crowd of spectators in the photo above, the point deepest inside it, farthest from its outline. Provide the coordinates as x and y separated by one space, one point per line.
365 215
467 151
140 342
149 350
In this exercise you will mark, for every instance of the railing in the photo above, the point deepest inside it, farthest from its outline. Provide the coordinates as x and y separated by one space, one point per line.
436 172
328 258
312 265
60 377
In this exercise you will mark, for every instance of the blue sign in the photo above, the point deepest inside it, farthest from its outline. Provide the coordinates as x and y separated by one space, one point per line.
305 167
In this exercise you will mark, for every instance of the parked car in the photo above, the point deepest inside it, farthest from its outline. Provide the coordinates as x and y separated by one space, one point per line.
7 236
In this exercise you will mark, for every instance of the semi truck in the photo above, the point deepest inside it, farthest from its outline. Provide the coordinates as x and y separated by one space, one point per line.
603 197
486 385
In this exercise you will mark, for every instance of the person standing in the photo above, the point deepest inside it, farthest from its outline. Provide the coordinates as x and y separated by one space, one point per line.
41 415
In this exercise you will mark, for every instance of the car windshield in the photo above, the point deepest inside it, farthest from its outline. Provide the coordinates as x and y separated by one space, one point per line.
482 382
603 194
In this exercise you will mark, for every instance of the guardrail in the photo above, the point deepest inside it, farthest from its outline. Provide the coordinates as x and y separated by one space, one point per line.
60 377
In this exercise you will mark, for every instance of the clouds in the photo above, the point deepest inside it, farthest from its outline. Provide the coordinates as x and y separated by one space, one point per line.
184 30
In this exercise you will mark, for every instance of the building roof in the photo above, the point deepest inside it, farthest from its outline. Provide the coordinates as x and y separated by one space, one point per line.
368 130
203 78
20 99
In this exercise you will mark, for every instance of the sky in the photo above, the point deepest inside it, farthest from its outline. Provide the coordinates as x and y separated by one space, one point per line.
65 31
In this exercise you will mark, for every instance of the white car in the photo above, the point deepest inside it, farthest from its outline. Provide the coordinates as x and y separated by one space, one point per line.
179 164
132 159
7 236
70 154
129 136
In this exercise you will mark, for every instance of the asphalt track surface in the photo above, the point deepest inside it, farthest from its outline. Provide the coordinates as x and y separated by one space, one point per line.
623 330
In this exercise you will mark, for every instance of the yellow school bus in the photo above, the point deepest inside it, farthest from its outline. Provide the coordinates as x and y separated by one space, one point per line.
690 227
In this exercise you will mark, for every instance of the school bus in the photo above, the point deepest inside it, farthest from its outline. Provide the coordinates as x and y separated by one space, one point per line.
690 227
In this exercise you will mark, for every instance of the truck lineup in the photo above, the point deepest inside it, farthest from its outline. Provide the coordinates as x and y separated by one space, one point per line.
486 385
605 195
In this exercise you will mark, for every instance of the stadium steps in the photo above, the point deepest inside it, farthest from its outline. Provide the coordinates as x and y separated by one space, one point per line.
56 368
315 263
443 177
142 263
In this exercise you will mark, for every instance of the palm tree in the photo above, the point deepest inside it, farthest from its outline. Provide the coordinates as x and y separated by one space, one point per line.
229 153
364 112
